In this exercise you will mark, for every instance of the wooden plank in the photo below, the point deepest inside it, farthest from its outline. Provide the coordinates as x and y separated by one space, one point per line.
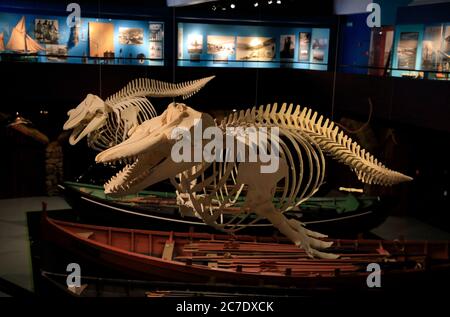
85 235
109 236
150 244
168 250
77 290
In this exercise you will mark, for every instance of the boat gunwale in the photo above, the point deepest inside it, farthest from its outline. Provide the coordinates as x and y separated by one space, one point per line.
251 238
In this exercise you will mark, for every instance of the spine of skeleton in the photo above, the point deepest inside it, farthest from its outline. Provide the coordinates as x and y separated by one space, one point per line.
326 134
145 87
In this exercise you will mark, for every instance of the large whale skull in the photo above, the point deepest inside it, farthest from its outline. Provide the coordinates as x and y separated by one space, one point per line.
90 115
147 151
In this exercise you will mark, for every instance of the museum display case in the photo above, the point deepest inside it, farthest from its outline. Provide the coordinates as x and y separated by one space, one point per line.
288 152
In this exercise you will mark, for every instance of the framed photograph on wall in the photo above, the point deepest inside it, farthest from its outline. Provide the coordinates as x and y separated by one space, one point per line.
180 42
195 47
304 39
156 50
220 45
287 47
56 52
131 36
255 48
319 48
446 45
46 31
195 43
101 39
407 50
431 46
156 40
156 31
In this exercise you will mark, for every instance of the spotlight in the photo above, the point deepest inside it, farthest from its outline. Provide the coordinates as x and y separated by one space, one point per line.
232 6
256 4
269 2
278 1
234 110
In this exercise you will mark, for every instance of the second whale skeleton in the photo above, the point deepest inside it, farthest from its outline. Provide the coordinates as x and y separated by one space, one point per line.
211 189
107 123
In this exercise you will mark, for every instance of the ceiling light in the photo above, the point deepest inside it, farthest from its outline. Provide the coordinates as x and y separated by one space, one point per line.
269 2
232 6
255 4
278 1
214 8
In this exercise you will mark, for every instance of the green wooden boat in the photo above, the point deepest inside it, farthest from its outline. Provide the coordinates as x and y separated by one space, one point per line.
349 213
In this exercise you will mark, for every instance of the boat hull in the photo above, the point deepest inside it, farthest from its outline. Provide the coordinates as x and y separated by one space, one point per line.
137 265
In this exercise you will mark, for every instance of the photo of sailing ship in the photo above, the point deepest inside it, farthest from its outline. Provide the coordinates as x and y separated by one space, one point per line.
255 48
46 31
195 43
407 50
304 43
20 41
131 36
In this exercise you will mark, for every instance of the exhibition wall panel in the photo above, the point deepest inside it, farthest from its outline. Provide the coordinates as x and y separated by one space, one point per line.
224 45
422 50
51 38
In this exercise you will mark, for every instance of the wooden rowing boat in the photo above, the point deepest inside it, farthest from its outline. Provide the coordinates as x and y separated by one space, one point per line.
245 260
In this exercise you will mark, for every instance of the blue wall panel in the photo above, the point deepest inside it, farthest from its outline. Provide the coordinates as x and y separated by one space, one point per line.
76 53
206 60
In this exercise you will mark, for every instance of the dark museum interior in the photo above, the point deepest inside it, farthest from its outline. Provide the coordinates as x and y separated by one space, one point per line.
377 71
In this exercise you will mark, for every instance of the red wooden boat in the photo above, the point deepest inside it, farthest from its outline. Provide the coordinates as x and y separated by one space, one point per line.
245 260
